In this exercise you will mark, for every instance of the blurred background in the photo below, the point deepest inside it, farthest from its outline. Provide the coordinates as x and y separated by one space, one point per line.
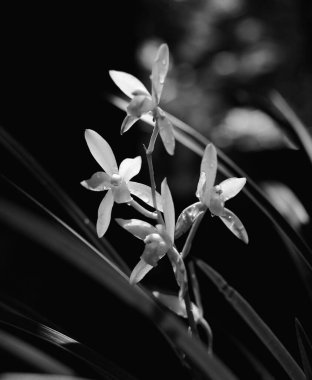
228 60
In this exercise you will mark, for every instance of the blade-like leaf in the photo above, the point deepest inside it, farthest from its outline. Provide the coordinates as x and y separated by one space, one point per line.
159 71
145 194
101 151
166 133
168 209
128 84
102 272
305 348
32 355
234 224
136 227
36 376
254 321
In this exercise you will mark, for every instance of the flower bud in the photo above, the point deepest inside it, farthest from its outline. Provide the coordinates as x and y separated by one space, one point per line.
155 249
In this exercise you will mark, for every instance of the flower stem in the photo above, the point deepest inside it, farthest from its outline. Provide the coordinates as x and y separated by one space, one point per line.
209 334
189 240
189 313
142 210
149 151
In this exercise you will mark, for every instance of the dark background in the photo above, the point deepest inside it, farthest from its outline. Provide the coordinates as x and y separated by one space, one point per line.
54 83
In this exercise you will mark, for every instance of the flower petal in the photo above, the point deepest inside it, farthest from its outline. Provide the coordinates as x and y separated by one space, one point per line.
159 71
136 227
104 213
209 166
121 193
201 187
139 105
130 167
168 209
127 83
231 187
187 218
139 271
234 224
98 182
144 192
127 123
101 151
166 133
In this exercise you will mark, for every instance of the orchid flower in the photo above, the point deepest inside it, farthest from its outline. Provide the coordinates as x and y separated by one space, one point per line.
213 197
142 102
159 241
115 181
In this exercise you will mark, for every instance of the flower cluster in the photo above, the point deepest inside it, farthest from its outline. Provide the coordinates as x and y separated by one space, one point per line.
159 239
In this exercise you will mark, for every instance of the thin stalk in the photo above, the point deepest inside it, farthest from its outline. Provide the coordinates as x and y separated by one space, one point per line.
190 237
142 210
207 328
195 286
149 153
189 312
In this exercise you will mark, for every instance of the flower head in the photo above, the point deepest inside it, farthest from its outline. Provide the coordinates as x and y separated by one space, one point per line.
143 102
159 241
113 179
215 196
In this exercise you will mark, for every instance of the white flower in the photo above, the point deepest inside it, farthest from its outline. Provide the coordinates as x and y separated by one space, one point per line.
115 180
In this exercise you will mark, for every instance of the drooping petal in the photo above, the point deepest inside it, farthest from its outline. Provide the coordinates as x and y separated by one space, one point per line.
130 167
139 105
136 227
101 151
127 83
159 71
98 182
231 187
104 213
144 192
234 224
168 206
121 193
201 186
187 218
127 123
166 132
209 166
139 271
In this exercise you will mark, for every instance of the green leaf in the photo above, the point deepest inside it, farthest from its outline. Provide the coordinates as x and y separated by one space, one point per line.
254 321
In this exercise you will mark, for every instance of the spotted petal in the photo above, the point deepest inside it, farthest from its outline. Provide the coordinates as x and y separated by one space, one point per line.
144 192
136 227
128 83
168 206
231 187
104 213
130 167
139 271
234 224
101 151
166 133
209 166
159 71
178 269
98 182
